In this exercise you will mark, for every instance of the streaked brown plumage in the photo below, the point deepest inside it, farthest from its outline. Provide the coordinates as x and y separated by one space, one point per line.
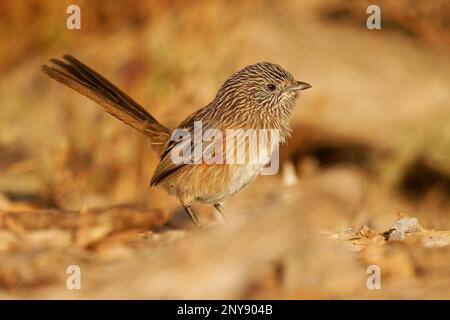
260 96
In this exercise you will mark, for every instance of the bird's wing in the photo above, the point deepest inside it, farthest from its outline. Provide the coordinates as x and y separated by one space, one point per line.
194 150
206 150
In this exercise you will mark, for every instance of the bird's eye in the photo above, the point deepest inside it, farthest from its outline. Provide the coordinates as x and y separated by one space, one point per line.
271 86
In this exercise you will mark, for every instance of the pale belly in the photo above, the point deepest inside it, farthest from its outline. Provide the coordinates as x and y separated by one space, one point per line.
211 184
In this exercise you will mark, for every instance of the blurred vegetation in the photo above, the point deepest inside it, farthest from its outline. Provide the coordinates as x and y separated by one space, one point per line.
370 140
428 21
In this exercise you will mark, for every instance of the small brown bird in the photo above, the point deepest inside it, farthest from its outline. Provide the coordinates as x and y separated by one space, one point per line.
258 97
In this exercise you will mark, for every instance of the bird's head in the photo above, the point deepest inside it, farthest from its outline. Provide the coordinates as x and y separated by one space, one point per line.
264 86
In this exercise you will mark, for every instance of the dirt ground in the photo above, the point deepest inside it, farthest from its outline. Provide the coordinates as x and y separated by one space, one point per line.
364 181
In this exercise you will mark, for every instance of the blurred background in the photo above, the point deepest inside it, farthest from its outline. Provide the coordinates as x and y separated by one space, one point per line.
370 142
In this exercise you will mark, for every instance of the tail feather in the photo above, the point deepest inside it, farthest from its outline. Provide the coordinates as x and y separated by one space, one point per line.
91 84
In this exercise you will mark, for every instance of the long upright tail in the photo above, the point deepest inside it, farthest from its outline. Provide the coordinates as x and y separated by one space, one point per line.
89 83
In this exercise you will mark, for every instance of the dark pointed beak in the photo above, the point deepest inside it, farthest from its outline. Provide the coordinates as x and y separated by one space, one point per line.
299 85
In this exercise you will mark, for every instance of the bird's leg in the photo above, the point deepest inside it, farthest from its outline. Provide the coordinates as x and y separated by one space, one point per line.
192 215
219 209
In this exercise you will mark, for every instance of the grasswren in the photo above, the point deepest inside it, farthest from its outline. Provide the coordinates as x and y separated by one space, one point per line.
259 97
